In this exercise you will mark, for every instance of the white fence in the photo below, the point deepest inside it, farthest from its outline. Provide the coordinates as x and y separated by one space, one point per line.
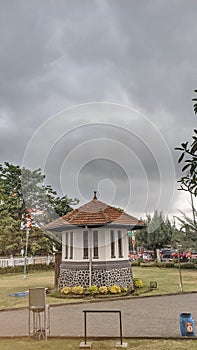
15 261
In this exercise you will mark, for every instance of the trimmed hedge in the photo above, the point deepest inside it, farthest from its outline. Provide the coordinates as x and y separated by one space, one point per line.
188 265
135 263
20 268
171 264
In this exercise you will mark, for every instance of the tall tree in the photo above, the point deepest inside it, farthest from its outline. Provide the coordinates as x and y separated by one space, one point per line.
188 228
157 234
11 240
23 192
24 189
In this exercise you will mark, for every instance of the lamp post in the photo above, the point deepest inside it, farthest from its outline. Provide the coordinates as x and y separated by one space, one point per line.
26 246
180 275
28 226
90 258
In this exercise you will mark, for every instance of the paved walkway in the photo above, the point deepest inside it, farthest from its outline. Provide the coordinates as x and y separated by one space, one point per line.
141 317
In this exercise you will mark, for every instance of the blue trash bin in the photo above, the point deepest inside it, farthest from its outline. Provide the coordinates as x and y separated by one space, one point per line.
187 326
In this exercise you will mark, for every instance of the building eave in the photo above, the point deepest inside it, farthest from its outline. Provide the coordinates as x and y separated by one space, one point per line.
127 226
92 226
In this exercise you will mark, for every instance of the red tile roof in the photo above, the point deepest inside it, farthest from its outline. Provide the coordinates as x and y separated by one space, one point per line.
95 213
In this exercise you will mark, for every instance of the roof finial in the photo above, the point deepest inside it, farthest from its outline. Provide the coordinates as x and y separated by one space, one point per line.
95 197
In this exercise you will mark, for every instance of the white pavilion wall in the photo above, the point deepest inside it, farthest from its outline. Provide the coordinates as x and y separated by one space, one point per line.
104 244
105 269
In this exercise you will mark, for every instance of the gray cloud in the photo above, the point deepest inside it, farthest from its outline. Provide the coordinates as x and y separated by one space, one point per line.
54 55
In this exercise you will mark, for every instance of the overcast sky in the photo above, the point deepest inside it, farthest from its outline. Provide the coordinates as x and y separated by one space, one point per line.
98 94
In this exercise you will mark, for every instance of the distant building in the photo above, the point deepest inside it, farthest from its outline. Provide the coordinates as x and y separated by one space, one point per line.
95 245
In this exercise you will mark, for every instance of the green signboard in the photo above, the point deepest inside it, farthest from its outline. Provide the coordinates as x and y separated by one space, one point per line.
130 233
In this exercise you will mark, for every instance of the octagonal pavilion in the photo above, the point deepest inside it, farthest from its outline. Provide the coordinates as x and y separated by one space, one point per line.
95 245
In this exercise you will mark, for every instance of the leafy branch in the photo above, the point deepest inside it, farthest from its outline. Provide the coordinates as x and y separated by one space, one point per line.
188 155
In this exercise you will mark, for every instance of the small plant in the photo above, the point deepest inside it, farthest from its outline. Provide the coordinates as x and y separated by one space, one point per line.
77 290
115 289
138 283
103 290
92 290
124 290
66 290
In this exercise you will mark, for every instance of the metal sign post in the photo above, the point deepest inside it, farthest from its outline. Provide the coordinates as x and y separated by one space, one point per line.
26 246
132 236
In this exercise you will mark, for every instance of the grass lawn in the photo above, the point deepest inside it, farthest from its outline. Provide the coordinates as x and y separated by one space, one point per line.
167 279
168 282
68 344
11 283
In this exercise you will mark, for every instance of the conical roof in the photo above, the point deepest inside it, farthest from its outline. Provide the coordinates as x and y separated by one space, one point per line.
93 214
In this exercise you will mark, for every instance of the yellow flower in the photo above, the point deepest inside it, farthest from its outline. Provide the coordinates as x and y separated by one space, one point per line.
66 290
103 290
138 283
115 289
77 290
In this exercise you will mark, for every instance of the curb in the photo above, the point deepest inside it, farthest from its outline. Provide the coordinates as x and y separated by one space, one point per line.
103 301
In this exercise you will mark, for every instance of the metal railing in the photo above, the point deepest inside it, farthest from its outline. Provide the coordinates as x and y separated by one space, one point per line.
101 311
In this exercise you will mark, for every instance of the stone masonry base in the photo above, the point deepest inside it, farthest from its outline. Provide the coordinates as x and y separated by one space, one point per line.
102 274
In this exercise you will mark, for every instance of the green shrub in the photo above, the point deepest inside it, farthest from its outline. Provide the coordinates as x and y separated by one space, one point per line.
56 294
148 264
138 283
135 263
11 269
40 267
30 268
169 264
165 264
188 265
92 290
193 261
140 260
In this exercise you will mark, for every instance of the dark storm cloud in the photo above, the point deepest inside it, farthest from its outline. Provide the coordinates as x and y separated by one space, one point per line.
55 54
161 39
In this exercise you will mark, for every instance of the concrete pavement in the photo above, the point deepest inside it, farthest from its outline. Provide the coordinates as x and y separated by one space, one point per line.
141 317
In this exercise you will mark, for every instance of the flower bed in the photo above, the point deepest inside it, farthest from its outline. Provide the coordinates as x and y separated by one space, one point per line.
93 291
